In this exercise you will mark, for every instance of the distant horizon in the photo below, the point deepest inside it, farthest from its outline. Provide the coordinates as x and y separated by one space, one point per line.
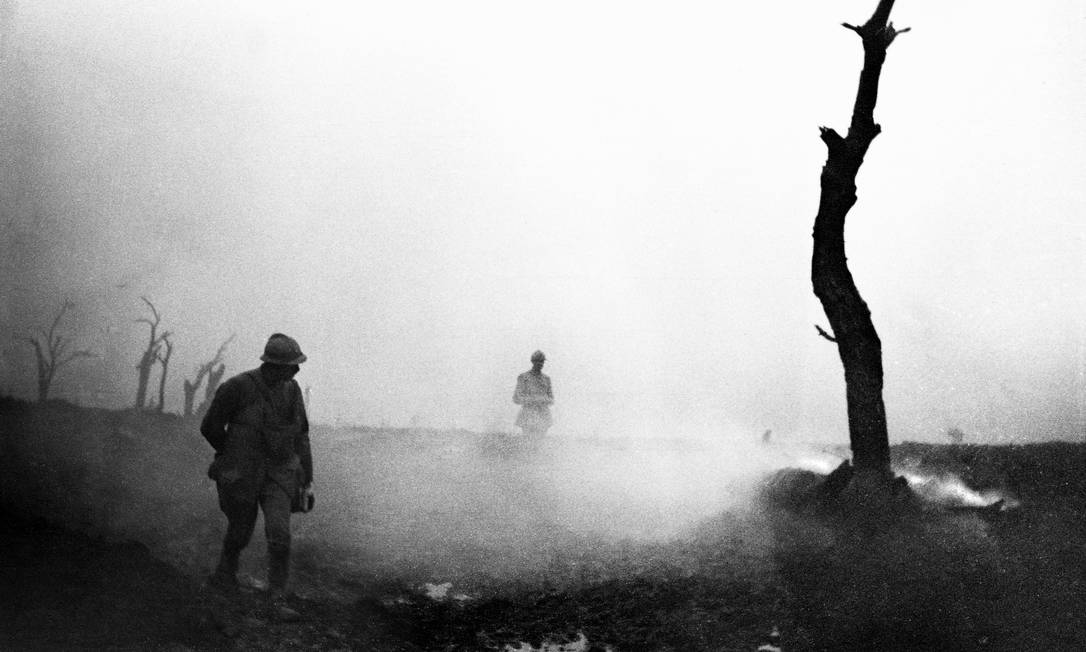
779 439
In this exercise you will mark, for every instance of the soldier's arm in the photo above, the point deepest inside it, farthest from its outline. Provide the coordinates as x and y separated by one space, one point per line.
518 393
222 409
301 440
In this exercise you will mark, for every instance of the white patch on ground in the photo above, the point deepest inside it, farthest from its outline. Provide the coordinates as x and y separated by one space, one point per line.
440 592
951 490
579 645
772 646
253 583
437 591
810 459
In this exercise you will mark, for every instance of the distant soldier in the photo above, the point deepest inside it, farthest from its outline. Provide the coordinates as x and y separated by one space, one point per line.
258 426
533 393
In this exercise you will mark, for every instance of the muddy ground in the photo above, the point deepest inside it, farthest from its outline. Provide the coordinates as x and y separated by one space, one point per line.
109 527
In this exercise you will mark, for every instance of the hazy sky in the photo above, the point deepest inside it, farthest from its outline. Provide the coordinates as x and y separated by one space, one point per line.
423 193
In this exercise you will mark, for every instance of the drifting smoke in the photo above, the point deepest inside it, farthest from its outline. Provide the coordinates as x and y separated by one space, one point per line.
943 488
421 506
455 504
951 491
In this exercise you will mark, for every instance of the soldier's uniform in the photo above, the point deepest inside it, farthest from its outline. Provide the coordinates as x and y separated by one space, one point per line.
260 433
533 393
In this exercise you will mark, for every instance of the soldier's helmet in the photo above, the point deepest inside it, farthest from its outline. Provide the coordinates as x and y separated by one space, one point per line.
282 349
538 356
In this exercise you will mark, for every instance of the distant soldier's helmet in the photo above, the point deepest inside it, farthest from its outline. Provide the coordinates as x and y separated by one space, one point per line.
538 356
283 350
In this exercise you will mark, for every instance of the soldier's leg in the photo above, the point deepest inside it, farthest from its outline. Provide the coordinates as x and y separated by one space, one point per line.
275 502
240 521
534 437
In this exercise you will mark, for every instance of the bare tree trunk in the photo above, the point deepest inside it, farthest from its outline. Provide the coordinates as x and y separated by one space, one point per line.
190 396
857 341
165 360
202 371
150 354
45 381
45 371
143 376
214 377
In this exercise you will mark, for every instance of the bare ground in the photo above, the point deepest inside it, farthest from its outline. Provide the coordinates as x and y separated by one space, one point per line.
920 577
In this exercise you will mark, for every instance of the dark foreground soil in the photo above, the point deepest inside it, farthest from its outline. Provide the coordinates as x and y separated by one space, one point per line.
923 574
63 590
1012 580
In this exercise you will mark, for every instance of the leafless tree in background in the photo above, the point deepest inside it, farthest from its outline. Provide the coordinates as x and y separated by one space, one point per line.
850 320
214 377
164 360
204 371
150 354
51 352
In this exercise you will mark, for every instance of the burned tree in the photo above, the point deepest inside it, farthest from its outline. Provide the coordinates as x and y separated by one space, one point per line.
164 360
214 377
150 354
190 388
854 333
51 353
204 371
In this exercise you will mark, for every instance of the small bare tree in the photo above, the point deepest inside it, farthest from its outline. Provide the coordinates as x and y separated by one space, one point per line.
150 354
51 352
164 360
203 371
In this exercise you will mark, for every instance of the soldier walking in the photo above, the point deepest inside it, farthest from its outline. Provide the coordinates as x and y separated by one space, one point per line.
258 427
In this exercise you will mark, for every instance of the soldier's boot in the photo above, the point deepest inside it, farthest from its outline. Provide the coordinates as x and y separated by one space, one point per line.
225 577
278 570
278 573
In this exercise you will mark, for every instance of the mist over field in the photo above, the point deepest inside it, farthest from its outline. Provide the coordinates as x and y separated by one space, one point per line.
424 194
412 505
417 506
450 535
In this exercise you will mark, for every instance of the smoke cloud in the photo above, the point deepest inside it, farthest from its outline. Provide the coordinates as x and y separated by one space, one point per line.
424 195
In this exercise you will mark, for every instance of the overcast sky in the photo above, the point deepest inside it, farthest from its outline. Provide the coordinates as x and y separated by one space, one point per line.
423 193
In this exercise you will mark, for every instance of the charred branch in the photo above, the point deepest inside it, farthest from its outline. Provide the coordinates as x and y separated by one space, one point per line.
824 334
